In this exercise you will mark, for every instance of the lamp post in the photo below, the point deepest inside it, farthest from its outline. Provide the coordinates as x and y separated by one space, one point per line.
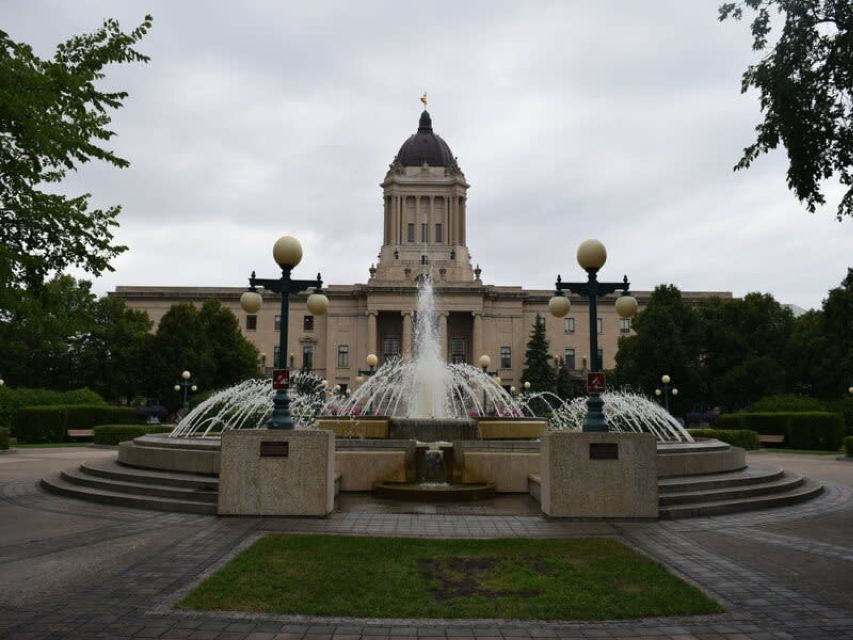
372 361
2 381
187 385
665 390
485 362
287 252
591 257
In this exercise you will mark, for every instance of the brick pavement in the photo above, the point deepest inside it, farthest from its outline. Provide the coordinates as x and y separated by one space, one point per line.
135 601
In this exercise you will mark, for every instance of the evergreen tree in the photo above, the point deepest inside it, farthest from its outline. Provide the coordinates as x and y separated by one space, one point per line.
564 381
537 369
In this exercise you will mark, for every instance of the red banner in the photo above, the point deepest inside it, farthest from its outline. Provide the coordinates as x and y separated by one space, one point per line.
595 382
281 379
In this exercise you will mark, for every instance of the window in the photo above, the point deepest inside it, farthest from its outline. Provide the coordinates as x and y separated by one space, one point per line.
424 259
438 233
251 323
390 348
570 359
569 325
600 324
278 323
275 363
506 357
307 357
601 359
308 323
410 232
457 350
424 232
343 356
624 325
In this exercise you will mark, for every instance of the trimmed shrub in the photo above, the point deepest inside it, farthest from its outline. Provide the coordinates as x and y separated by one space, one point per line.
48 424
736 438
766 424
844 406
4 438
786 403
38 425
11 400
848 446
816 430
113 434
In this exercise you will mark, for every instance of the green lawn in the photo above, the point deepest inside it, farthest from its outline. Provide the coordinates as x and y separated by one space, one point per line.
566 579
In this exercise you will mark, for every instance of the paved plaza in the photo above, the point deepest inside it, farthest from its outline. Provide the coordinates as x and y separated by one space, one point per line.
70 569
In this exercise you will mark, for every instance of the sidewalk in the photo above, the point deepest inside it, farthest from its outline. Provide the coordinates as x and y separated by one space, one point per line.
784 573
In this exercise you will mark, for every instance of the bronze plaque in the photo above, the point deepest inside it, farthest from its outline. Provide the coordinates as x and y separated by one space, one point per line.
604 451
274 449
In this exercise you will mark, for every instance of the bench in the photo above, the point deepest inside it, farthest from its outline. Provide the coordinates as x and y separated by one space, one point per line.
80 433
771 439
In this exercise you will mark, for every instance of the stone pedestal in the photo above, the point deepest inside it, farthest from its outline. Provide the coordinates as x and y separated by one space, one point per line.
599 475
277 473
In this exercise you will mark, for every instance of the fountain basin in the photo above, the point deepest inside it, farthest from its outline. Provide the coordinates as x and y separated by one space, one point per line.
434 491
432 429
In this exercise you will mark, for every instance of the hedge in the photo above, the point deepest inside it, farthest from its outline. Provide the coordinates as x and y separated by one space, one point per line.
12 399
115 433
735 437
819 431
848 446
4 438
48 424
786 403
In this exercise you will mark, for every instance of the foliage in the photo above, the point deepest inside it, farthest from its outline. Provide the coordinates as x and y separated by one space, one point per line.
564 387
4 438
667 340
735 437
52 119
843 406
815 430
744 348
12 399
805 82
50 423
765 424
560 579
848 446
537 368
786 402
205 342
113 434
155 411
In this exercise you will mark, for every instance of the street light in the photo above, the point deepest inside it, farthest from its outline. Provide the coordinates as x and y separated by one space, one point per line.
665 390
2 381
187 385
485 362
591 257
287 252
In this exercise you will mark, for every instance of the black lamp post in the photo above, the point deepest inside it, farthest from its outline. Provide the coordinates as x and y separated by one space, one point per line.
187 385
666 390
591 257
287 253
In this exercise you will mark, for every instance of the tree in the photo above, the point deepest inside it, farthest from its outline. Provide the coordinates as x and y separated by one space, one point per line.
206 342
112 353
667 340
564 381
805 82
838 332
745 348
537 369
52 119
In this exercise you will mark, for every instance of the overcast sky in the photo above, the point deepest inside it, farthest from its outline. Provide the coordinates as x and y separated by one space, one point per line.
614 120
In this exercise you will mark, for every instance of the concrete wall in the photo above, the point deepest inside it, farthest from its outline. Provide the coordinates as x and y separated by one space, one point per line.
301 482
576 485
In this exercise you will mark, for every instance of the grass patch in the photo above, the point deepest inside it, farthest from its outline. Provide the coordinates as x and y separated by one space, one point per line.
566 579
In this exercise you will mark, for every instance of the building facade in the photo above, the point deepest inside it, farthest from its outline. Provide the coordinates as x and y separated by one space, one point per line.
423 234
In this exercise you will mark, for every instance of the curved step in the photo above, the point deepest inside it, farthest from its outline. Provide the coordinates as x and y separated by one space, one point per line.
783 484
138 488
753 474
117 471
807 490
55 484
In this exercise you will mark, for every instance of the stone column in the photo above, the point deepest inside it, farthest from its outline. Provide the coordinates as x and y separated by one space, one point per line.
477 338
371 333
442 334
407 333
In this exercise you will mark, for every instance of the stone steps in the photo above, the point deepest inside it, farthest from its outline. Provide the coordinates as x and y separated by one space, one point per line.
786 483
109 482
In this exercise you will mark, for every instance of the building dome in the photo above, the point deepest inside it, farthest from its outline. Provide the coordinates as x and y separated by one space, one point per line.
425 146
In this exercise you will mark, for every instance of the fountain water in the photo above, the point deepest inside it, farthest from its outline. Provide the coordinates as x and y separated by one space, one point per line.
427 399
